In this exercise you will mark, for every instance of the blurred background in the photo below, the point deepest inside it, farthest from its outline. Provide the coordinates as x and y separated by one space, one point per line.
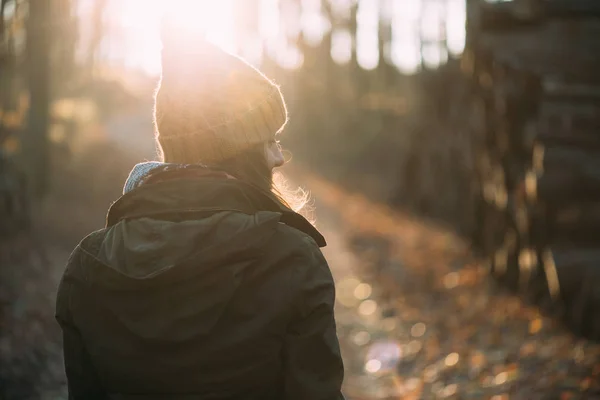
450 148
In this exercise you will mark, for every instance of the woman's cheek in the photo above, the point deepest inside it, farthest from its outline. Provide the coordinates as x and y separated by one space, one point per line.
274 156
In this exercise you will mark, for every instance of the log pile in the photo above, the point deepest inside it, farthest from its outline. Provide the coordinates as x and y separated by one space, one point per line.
538 147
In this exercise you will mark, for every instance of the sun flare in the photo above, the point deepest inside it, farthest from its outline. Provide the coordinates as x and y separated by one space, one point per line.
213 18
133 34
138 22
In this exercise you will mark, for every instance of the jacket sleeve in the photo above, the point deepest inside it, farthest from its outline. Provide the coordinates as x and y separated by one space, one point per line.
313 363
82 379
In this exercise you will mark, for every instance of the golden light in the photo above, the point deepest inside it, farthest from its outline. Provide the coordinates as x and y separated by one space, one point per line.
215 19
451 359
418 329
134 26
373 366
367 307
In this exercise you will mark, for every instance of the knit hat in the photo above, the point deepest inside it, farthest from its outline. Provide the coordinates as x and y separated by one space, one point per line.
211 105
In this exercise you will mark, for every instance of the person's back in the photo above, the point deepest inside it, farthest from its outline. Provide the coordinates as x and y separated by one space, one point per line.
204 284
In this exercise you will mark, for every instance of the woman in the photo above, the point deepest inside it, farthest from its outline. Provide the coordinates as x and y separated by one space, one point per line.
204 283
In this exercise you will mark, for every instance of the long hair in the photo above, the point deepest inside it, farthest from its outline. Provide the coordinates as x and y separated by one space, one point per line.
251 167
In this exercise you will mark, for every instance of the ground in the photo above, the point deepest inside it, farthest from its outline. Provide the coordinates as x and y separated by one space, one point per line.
418 316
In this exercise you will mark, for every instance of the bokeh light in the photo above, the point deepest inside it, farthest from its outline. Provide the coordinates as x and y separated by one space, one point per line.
133 30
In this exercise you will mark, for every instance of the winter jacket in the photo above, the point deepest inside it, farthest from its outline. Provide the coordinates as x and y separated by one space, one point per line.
200 288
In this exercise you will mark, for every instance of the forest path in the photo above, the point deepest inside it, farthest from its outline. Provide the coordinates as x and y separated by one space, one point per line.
419 317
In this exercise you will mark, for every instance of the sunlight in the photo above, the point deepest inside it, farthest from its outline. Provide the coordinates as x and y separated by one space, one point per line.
133 30
341 46
405 49
456 29
367 40
314 24
213 18
134 27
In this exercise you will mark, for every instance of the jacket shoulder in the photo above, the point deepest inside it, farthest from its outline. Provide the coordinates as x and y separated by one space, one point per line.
87 248
92 242
294 239
301 252
74 270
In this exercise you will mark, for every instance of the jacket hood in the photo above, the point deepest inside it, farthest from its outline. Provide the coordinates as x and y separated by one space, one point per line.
176 192
176 251
146 251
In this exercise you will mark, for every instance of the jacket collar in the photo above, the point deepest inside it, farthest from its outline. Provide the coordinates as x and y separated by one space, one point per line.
191 197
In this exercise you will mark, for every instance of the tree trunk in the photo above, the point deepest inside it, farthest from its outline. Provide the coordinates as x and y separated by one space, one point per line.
35 137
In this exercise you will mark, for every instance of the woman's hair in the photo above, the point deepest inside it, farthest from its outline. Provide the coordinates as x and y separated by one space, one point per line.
251 167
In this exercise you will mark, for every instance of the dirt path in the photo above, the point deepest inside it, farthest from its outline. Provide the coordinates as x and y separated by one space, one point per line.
419 318
31 365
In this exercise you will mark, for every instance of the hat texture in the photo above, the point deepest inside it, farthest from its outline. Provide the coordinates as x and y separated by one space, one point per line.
211 105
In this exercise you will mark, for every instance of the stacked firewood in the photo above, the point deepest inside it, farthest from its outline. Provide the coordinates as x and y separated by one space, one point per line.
538 151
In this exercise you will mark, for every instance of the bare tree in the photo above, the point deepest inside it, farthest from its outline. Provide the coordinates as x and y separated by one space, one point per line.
35 137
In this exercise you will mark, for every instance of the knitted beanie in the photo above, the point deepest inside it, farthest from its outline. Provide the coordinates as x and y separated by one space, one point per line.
211 105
